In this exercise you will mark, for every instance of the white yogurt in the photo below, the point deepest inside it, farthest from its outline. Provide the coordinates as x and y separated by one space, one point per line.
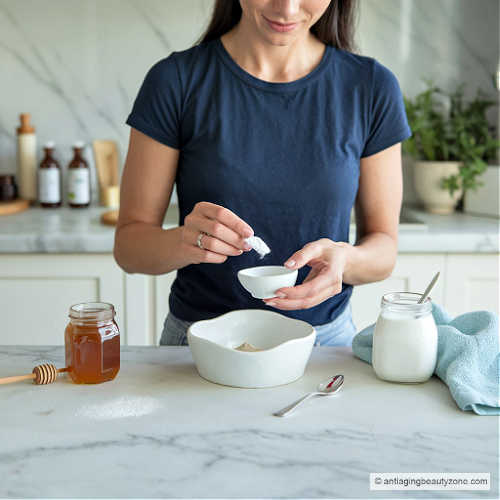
405 339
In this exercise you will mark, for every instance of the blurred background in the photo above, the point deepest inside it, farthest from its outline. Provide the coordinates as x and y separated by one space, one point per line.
76 67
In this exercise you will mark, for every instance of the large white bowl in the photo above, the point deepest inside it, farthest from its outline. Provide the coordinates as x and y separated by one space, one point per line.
263 281
287 345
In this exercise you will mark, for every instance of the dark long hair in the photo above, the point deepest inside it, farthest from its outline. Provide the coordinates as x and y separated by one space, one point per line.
335 27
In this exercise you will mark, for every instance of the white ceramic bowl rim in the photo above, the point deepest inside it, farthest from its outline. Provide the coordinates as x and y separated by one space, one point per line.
266 271
285 319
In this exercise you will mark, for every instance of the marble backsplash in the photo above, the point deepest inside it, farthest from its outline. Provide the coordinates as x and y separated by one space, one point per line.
76 65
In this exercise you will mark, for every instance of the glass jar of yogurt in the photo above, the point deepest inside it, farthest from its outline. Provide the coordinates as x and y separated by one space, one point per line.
405 339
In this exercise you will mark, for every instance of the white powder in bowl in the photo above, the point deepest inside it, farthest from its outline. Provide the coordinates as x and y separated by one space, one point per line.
246 347
258 245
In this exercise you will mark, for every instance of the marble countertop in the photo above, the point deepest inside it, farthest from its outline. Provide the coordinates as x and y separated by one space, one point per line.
67 230
160 430
455 233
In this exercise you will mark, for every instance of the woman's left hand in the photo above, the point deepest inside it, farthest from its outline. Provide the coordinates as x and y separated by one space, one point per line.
328 260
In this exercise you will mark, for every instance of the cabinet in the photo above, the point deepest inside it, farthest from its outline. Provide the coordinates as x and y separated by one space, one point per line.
146 299
468 282
412 273
162 291
139 316
36 291
471 283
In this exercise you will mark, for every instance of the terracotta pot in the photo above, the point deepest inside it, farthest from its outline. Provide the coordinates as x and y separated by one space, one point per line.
427 177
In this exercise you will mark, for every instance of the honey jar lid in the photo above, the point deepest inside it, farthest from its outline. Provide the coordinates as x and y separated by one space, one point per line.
92 311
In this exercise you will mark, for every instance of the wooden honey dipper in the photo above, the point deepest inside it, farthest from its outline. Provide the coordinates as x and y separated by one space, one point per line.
42 374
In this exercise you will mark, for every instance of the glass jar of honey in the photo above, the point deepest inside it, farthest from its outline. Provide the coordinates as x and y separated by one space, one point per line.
92 343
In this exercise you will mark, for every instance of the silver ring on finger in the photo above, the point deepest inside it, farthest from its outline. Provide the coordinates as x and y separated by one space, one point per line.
198 240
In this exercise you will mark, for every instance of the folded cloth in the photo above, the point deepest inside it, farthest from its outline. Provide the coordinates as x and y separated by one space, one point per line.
468 359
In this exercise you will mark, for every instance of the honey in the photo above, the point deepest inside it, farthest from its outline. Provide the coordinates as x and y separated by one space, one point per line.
92 343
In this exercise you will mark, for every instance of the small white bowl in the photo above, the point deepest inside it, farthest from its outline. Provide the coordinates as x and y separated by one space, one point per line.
263 281
287 344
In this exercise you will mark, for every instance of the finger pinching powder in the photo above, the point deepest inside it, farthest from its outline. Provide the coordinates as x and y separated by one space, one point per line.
258 245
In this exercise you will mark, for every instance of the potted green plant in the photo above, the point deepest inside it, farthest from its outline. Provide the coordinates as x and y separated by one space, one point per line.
451 144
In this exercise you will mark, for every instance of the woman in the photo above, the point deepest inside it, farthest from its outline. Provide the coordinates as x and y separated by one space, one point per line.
270 126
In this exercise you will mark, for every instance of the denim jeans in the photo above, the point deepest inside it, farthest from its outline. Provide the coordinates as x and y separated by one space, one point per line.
339 332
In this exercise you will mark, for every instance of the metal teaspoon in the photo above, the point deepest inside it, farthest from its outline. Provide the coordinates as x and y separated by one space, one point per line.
429 288
326 388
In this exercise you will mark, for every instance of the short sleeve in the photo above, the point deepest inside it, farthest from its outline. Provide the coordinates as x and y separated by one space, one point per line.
388 123
157 108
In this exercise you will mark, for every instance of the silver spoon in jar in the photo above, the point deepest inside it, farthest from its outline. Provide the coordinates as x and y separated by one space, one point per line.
326 388
429 288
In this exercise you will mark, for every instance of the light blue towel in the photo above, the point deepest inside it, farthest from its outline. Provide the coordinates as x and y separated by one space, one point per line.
468 359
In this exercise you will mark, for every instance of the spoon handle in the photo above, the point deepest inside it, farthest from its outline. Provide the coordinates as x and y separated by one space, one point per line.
429 288
288 409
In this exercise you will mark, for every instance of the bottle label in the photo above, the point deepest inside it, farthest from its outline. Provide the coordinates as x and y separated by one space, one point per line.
49 185
78 186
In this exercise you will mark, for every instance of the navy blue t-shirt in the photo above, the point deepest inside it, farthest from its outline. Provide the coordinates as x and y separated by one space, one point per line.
284 157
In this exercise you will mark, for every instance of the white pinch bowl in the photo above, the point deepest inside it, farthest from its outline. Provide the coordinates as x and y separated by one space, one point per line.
263 281
287 344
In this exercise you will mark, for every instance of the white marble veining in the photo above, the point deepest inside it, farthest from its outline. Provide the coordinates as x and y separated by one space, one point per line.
62 230
455 233
67 230
77 65
450 41
160 430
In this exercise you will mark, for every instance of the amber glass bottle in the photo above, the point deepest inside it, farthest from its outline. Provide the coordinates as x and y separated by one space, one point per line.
92 343
78 179
49 179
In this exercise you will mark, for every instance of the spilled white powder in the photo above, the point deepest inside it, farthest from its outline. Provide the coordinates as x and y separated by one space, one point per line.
258 245
123 407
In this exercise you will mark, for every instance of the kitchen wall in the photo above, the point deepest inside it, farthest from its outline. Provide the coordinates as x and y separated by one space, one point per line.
77 65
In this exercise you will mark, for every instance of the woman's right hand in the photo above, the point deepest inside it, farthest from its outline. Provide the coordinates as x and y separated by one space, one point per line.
224 234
